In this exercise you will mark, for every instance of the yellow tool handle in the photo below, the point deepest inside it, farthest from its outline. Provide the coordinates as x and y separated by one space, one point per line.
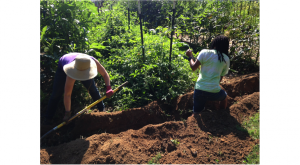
90 106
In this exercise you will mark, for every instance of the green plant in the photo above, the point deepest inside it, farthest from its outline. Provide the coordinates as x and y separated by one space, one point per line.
210 138
77 26
252 126
212 18
175 142
253 157
70 21
180 112
150 78
220 153
155 160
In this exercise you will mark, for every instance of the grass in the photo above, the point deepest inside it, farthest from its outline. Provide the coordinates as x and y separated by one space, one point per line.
217 161
252 126
253 157
155 160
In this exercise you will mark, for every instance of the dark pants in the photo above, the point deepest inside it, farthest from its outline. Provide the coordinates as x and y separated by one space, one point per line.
58 90
201 97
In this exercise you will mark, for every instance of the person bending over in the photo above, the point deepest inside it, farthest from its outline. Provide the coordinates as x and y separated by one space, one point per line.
72 67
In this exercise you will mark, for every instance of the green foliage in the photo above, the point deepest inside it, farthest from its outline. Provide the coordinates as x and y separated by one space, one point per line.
217 160
252 126
107 38
203 20
69 22
253 157
151 77
155 160
77 26
175 142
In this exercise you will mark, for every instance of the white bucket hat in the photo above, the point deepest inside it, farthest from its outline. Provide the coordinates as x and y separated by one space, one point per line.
82 68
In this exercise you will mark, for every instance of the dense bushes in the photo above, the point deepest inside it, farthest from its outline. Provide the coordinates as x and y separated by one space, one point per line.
150 78
119 51
202 20
78 27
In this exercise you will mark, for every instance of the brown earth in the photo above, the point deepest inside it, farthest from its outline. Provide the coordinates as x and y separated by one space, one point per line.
136 135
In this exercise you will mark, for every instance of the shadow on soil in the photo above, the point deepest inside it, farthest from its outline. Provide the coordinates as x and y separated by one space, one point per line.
220 123
217 122
73 150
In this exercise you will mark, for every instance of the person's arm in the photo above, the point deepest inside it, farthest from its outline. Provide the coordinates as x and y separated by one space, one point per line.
68 92
101 70
193 65
104 74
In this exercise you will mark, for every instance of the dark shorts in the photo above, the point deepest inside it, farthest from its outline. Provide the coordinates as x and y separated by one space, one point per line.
201 97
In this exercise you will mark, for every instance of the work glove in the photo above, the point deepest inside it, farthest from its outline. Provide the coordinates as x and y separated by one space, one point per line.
67 116
109 92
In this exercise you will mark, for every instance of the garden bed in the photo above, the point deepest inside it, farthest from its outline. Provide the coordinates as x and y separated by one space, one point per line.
160 130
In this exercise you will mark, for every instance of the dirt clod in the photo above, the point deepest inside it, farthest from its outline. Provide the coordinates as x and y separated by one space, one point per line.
194 152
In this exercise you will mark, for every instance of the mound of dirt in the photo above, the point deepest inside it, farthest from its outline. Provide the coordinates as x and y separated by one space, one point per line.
139 134
241 85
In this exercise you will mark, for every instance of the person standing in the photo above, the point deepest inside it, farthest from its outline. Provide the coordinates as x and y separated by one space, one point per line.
72 67
214 65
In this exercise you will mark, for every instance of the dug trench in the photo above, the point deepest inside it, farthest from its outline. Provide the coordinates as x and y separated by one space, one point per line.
137 135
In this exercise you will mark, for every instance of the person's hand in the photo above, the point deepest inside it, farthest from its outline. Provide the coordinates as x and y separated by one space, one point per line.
189 53
109 92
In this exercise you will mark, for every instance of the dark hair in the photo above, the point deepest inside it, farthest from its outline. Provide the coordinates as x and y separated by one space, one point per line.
221 44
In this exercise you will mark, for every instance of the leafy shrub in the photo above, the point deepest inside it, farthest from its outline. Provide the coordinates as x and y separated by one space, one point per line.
151 77
77 26
68 21
118 49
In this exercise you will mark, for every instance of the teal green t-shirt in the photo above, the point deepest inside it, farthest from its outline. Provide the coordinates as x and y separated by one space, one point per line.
211 70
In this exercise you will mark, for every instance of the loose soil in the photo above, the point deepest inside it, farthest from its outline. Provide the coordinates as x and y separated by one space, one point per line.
136 135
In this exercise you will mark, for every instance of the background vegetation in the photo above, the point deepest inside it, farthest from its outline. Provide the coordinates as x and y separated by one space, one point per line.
106 33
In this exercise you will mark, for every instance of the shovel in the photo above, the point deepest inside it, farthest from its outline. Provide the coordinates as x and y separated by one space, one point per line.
82 111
